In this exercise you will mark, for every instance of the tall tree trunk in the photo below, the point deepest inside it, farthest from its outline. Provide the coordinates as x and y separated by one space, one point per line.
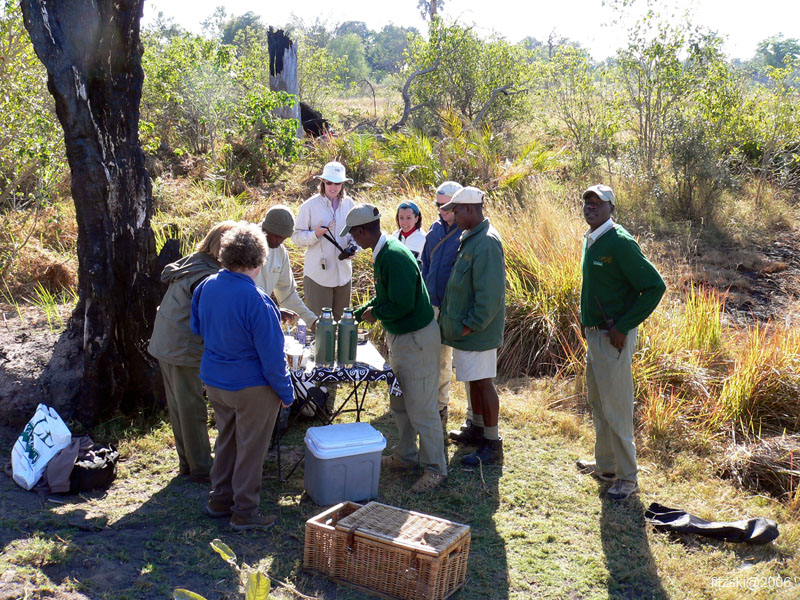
283 74
92 52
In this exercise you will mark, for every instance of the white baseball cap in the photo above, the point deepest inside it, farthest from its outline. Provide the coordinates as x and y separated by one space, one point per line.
605 193
467 195
448 188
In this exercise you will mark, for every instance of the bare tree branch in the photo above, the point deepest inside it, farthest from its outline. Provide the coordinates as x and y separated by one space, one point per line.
374 101
407 96
495 93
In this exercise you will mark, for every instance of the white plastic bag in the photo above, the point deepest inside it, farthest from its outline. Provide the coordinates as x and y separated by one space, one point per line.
43 437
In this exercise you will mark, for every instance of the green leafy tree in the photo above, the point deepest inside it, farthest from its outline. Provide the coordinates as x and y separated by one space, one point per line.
479 80
386 53
188 95
777 129
349 49
776 50
244 29
318 75
31 148
358 28
584 102
661 65
201 95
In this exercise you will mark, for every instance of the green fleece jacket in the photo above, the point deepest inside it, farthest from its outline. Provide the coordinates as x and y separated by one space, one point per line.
475 295
401 301
618 278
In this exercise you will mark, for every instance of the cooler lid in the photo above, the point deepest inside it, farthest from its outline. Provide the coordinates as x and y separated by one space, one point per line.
344 435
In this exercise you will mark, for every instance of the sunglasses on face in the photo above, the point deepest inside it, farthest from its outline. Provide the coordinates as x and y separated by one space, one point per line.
326 182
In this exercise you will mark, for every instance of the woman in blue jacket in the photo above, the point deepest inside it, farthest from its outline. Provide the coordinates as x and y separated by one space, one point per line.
244 370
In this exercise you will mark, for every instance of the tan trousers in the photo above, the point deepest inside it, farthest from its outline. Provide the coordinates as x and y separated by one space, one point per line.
189 417
245 419
609 390
318 297
446 375
412 357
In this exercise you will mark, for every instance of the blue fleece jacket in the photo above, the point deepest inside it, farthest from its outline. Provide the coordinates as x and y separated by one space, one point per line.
436 268
241 330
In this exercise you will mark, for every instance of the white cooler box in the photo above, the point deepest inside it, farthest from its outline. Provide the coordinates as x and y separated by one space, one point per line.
343 462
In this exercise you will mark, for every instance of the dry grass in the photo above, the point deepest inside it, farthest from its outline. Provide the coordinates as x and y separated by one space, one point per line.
540 530
772 464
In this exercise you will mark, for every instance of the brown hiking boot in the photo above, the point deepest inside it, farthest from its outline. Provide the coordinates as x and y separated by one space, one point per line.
394 462
240 523
215 510
472 435
428 482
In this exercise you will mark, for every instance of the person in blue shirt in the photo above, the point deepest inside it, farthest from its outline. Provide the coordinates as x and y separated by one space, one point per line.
438 255
244 371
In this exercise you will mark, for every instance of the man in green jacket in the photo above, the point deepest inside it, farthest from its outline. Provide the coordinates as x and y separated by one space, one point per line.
620 289
402 305
472 320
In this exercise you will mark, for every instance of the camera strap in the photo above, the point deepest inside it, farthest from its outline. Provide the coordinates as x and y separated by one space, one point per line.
328 236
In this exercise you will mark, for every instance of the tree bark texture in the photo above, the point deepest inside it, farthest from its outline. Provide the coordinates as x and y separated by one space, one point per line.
92 52
283 73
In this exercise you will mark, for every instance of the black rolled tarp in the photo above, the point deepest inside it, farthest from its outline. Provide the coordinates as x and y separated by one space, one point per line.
750 531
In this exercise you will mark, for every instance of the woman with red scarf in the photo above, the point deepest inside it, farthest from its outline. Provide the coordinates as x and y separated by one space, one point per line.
409 220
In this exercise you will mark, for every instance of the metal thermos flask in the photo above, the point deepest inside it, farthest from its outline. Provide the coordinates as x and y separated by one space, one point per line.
325 339
348 339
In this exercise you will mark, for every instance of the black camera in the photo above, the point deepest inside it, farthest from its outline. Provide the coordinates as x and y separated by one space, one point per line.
348 252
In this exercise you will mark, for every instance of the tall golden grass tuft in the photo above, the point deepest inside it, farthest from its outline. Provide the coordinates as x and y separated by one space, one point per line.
542 248
761 393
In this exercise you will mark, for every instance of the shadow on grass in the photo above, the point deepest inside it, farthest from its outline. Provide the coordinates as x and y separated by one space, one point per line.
161 544
632 572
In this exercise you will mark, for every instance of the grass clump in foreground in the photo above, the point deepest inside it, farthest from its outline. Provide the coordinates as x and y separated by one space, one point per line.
539 528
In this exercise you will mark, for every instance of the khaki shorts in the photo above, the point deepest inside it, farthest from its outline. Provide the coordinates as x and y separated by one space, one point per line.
472 366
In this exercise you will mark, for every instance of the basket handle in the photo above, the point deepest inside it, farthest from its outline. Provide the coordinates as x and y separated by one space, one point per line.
412 572
351 538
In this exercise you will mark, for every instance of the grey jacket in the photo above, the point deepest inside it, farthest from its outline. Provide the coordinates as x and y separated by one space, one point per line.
172 340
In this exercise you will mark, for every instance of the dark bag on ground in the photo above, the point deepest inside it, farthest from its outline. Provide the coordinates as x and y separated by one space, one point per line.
95 468
750 531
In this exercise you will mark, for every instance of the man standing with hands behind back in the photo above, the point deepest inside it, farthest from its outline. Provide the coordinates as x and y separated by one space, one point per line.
472 320
620 289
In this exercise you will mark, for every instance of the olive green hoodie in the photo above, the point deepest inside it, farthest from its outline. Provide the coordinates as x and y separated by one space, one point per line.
476 292
172 340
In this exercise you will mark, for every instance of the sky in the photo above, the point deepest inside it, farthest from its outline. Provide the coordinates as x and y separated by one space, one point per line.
742 23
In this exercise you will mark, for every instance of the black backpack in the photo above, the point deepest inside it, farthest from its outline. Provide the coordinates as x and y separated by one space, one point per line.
95 468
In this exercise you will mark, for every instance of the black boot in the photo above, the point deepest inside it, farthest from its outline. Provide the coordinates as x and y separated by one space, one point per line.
490 452
471 435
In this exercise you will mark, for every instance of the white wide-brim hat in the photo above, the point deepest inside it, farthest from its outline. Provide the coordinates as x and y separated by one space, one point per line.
334 172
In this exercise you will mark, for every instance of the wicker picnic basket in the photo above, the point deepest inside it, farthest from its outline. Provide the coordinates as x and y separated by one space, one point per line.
388 551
